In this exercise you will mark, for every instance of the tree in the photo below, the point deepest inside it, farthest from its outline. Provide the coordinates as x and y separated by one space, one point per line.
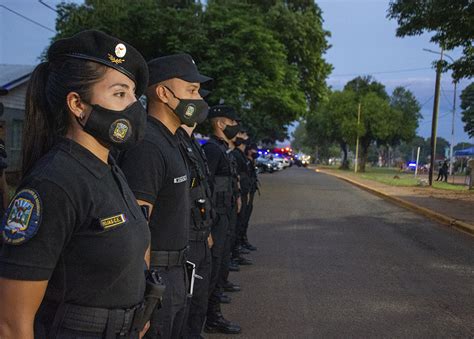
335 121
404 101
441 146
467 105
250 69
298 26
451 21
239 43
364 85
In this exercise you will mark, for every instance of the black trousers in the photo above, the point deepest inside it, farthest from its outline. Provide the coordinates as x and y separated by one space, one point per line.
248 214
229 244
169 320
199 254
219 235
242 219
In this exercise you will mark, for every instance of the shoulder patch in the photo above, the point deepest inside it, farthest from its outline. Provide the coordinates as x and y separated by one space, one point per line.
22 218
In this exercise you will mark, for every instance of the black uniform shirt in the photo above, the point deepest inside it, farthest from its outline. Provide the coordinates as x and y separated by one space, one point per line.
158 174
218 162
242 170
76 223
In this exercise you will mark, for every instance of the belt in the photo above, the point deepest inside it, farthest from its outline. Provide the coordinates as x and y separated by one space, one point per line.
97 320
199 235
168 258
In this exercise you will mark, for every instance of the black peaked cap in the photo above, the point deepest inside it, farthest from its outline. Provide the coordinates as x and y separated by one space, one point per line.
100 47
223 111
181 66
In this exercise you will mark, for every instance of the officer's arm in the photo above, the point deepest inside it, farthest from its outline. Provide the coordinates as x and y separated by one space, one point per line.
149 209
20 301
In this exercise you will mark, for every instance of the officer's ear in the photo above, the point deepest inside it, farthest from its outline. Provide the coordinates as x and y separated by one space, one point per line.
221 123
162 93
75 105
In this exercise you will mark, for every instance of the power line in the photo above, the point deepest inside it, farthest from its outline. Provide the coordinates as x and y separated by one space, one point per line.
46 5
28 19
446 97
383 72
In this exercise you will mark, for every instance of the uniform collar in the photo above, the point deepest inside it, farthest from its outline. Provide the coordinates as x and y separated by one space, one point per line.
220 140
87 159
170 137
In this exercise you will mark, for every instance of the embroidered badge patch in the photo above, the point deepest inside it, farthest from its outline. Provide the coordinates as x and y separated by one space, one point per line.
113 221
180 179
22 218
190 111
119 131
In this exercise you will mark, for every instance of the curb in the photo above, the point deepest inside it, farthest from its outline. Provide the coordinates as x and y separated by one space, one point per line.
444 219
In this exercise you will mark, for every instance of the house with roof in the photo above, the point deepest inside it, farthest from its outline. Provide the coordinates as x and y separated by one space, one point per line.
13 85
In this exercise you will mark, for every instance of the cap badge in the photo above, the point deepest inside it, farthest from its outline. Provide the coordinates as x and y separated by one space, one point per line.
120 50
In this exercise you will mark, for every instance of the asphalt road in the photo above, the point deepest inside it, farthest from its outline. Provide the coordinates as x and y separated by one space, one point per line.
334 261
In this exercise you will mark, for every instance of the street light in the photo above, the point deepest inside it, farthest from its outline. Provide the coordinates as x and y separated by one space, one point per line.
451 148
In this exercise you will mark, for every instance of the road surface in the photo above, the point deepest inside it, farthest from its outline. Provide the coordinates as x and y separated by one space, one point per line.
334 261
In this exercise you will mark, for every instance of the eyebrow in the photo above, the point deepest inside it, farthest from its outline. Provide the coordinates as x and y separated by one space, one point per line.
120 84
193 86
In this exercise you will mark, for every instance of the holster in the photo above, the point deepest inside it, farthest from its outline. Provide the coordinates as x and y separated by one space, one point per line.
155 288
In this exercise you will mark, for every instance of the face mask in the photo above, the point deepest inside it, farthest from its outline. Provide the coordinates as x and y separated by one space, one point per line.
239 141
119 129
231 131
190 111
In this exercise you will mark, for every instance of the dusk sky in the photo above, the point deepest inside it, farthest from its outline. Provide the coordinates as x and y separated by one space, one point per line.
363 43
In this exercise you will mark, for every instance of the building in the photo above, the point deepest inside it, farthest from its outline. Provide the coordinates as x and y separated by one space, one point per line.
13 84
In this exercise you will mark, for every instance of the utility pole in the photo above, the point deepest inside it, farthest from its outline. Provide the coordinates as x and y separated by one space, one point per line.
357 140
451 149
434 122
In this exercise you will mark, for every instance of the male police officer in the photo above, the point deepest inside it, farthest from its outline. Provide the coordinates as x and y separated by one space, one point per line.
243 171
251 152
200 239
225 127
158 175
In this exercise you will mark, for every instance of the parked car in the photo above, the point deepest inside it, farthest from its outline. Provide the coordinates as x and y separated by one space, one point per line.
284 162
264 165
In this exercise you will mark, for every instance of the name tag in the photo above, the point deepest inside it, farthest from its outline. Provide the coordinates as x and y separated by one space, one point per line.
180 179
111 222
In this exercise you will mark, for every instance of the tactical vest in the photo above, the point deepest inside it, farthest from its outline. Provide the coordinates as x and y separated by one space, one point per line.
200 191
223 196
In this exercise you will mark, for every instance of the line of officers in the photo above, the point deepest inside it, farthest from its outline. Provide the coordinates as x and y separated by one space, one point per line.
123 225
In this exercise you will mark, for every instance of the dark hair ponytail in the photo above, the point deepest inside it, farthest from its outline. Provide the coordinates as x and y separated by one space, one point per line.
46 113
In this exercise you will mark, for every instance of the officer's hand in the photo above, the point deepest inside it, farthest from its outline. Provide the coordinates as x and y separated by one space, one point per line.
145 329
239 204
210 241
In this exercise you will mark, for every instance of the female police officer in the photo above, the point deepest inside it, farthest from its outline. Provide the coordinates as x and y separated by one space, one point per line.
74 239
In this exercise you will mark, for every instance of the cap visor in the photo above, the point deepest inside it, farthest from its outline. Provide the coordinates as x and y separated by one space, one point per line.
204 92
195 78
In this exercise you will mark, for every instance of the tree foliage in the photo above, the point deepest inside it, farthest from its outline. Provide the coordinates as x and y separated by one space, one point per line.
384 120
467 105
266 57
451 21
